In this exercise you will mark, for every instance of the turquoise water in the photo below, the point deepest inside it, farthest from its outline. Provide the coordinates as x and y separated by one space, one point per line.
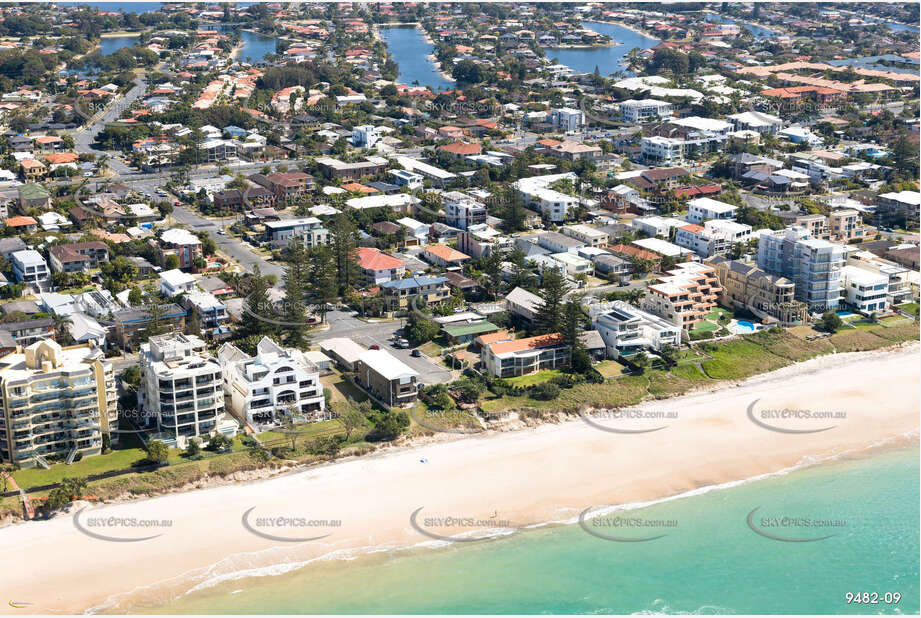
711 562
411 51
607 59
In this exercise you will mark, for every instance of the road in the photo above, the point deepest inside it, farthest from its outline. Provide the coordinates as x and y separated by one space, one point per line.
239 251
344 324
84 138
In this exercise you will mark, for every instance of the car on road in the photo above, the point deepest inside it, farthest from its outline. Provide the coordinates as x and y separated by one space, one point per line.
222 232
415 353
374 346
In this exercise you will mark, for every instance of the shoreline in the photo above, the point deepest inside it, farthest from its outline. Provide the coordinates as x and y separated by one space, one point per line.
711 444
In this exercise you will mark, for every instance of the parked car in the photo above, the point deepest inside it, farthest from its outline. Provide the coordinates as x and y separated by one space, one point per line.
374 346
415 353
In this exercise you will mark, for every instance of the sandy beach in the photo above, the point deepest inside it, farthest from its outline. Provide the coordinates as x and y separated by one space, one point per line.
525 477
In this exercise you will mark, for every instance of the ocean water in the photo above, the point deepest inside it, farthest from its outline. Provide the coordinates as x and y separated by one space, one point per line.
709 561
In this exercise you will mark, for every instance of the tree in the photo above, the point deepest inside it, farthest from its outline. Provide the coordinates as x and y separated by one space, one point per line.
156 324
669 355
157 452
294 313
549 318
344 243
419 329
641 362
351 419
69 490
192 449
571 329
831 322
321 288
258 309
193 325
388 426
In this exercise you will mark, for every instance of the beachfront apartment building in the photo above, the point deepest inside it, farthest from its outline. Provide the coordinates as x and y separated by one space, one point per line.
814 265
182 389
274 385
769 297
56 402
627 330
900 286
644 110
520 357
684 295
864 291
386 378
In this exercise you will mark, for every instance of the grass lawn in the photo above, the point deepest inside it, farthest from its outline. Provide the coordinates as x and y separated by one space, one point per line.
717 312
535 378
911 308
310 430
341 389
610 368
116 460
430 348
705 326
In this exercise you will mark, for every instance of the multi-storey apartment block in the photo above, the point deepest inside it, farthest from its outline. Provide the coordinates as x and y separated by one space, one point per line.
748 287
56 402
814 265
276 383
182 388
685 295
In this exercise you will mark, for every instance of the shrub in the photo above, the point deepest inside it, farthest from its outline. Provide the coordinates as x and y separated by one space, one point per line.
545 391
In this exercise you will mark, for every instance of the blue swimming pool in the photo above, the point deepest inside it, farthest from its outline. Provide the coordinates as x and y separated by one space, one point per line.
745 325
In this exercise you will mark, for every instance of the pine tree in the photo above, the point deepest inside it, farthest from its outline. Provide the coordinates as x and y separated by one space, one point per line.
549 316
257 308
344 242
294 315
322 283
571 329
193 325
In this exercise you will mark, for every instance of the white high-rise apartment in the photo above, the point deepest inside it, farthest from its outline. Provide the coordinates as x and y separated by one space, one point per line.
182 387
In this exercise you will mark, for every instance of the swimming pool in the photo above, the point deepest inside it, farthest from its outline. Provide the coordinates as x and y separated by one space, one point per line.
742 327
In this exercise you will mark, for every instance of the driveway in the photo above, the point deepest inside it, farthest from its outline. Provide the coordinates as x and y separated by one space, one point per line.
343 324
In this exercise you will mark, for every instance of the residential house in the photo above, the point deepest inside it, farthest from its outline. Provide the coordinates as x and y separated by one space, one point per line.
627 330
507 359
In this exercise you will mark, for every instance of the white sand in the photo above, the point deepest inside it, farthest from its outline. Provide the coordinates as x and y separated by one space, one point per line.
530 476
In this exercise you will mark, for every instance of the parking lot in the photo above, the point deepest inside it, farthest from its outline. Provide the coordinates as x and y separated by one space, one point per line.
345 324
